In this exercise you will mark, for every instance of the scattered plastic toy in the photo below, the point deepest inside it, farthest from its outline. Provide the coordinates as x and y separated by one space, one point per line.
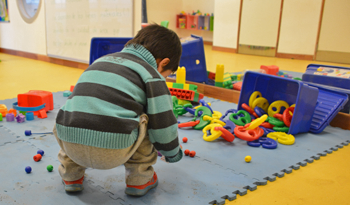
248 159
192 153
29 132
265 142
37 157
41 152
184 139
28 169
49 168
187 152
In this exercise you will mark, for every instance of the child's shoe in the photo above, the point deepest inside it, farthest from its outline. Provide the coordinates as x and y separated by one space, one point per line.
142 189
73 186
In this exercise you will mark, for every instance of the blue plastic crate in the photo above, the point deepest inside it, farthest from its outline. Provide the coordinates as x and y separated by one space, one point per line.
315 106
193 58
277 88
102 46
333 76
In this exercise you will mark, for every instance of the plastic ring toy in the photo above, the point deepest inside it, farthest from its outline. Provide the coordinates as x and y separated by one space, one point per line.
248 109
228 136
248 135
277 105
205 104
287 117
188 124
278 116
229 125
261 102
216 115
281 129
276 122
214 133
267 125
27 109
268 143
259 111
253 96
282 138
256 123
202 123
240 120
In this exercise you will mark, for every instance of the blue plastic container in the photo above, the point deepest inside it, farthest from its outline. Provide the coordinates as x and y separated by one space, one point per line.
102 46
333 76
193 58
277 88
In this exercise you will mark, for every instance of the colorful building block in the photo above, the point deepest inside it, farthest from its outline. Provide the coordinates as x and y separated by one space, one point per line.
181 75
270 69
13 111
219 75
186 94
3 109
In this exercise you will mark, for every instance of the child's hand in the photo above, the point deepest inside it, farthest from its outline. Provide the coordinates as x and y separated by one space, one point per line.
163 159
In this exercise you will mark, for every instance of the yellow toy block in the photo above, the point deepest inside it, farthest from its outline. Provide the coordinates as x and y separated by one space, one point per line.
239 77
181 75
169 84
219 74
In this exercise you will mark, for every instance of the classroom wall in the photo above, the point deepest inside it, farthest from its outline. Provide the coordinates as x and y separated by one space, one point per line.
166 10
299 26
226 23
21 36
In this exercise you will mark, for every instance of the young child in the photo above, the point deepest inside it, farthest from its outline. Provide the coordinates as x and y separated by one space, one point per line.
120 112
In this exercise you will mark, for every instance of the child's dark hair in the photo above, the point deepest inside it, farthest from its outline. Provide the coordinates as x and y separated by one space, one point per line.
161 42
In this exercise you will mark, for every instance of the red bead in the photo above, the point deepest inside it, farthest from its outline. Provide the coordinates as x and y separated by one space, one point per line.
37 157
184 139
192 153
187 152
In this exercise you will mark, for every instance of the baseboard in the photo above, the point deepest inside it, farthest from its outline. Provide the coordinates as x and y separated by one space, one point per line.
224 49
333 56
208 43
295 56
45 58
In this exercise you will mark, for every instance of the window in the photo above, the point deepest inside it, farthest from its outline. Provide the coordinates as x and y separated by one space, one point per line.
29 9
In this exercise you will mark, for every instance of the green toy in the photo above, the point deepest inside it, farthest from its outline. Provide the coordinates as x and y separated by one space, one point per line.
202 123
241 121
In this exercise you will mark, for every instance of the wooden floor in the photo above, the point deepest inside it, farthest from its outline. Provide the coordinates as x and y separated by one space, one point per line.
326 181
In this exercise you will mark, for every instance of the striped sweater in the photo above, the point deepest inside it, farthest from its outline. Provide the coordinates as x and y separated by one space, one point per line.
108 99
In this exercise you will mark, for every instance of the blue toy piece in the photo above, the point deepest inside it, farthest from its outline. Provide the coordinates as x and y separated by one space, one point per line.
41 152
228 112
29 116
192 111
259 111
265 142
29 132
27 109
229 125
203 103
266 130
28 169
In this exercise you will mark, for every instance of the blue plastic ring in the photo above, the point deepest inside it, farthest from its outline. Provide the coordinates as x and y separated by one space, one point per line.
16 107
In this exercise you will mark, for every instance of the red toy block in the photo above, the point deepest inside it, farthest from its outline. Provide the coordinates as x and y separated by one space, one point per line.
71 88
37 157
42 114
13 111
270 69
237 86
35 98
182 94
211 75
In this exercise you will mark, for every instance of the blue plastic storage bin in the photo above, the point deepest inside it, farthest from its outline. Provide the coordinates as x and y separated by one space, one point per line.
277 88
193 53
334 76
102 46
329 103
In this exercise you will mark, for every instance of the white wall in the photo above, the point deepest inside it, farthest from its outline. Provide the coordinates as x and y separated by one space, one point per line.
226 21
335 28
299 26
260 22
21 36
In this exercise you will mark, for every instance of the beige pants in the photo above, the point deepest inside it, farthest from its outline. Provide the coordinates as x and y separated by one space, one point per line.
137 159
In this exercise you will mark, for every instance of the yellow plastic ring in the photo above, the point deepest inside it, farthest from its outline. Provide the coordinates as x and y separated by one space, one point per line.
278 105
257 122
214 133
281 137
253 96
262 103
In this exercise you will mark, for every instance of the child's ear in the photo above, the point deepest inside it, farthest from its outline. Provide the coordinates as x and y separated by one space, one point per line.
161 63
